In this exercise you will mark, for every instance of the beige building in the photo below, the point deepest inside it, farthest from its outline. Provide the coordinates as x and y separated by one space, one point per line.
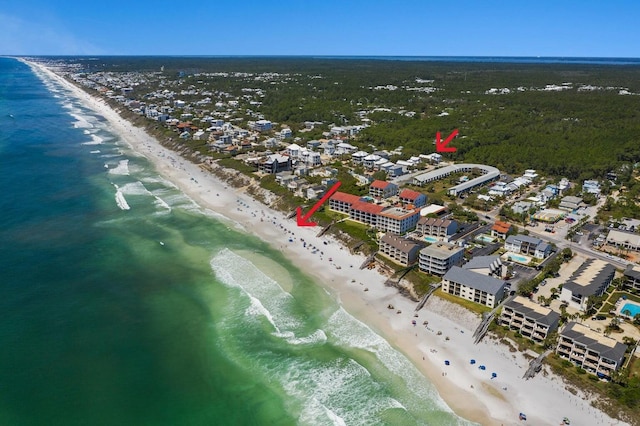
473 286
398 249
590 350
529 319
438 258
591 279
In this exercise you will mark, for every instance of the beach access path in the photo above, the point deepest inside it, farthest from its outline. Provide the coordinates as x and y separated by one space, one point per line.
447 336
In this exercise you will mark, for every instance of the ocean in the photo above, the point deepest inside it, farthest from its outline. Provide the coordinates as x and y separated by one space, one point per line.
125 303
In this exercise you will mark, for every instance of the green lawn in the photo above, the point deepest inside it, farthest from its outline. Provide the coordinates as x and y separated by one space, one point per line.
472 306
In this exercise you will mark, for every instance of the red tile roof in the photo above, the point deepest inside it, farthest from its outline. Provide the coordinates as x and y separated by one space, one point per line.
367 207
501 227
381 184
345 198
409 194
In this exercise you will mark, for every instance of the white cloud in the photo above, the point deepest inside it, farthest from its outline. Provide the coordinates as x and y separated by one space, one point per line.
21 37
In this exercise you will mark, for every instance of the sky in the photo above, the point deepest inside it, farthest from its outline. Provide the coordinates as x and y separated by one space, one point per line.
564 28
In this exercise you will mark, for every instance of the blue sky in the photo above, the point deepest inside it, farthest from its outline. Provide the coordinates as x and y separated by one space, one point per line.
330 27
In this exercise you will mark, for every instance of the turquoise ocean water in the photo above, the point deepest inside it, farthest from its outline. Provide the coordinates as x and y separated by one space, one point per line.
103 325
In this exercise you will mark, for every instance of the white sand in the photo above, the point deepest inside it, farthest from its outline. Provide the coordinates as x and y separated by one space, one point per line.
469 391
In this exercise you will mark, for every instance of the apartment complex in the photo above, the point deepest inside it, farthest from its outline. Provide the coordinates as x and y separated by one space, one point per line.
525 244
398 249
438 258
529 319
382 189
486 265
414 198
441 228
592 278
473 286
632 276
590 350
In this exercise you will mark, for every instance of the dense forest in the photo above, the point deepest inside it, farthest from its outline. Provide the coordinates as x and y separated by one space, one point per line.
573 120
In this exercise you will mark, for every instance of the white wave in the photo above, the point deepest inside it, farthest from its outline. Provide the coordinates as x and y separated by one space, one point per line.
95 140
81 122
95 151
315 338
161 203
256 309
134 188
120 200
121 169
161 180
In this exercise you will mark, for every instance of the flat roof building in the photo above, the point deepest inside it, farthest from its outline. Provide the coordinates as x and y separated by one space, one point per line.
439 257
592 278
529 319
590 350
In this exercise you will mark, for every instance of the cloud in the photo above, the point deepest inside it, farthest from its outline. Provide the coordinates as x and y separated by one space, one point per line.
21 37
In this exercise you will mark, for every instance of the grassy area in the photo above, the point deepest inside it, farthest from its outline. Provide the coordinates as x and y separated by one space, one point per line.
522 343
472 306
421 282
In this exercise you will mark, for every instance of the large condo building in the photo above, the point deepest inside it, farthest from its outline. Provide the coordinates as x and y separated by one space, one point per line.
528 318
594 352
438 258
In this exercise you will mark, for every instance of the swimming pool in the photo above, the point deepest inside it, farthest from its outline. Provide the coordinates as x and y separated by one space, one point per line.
518 258
485 238
430 239
632 307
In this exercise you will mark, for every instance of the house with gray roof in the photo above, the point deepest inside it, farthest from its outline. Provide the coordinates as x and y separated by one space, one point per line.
525 244
472 286
398 249
528 318
632 276
592 278
590 350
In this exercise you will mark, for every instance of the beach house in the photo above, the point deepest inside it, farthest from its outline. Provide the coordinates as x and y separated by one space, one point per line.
590 350
591 278
439 257
435 227
382 189
500 229
472 286
528 318
414 198
525 244
632 276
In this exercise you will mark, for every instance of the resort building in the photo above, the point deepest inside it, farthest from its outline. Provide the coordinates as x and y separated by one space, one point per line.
623 240
489 174
382 189
438 258
341 202
500 229
486 265
525 244
397 220
414 198
529 319
592 278
590 350
472 286
262 126
632 276
441 228
398 249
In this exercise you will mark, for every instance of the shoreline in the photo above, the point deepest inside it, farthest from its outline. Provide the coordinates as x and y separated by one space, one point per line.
468 391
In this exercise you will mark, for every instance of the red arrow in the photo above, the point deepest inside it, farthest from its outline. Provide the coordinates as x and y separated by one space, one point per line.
304 220
442 146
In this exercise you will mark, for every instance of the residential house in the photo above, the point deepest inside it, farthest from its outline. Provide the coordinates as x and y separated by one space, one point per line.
435 227
570 203
382 189
398 249
315 191
500 229
275 163
439 257
472 286
525 244
313 145
590 350
370 160
414 198
528 318
592 278
262 125
591 187
358 157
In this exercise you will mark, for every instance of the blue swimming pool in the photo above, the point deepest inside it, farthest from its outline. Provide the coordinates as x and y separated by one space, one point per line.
485 238
632 307
518 258
430 239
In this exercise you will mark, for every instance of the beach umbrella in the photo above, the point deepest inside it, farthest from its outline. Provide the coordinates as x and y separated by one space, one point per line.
482 367
473 361
494 375
446 362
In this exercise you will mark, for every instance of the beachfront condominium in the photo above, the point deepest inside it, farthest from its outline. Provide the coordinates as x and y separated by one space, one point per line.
592 278
400 250
439 257
473 286
441 228
486 265
525 244
382 189
632 276
528 318
594 352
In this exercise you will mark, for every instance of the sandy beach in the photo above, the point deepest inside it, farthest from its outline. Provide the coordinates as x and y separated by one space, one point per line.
471 392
